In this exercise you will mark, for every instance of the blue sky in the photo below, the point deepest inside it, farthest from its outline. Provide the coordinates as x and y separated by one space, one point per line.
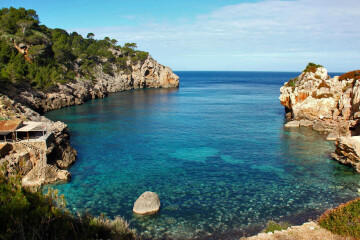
268 35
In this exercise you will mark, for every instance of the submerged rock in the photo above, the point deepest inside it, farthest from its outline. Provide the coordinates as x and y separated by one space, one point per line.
147 203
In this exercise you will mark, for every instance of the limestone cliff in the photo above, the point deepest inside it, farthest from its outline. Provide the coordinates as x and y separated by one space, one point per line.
326 104
144 74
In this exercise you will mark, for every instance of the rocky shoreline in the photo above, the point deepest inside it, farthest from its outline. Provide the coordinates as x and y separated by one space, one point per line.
329 105
46 162
144 74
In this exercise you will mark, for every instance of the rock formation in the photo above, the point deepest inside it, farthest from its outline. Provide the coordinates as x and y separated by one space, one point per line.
144 74
147 203
348 151
37 162
329 105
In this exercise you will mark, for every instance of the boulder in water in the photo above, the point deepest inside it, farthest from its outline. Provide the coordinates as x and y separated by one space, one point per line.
147 203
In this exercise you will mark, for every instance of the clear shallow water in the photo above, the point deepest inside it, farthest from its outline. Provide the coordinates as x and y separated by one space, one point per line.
215 151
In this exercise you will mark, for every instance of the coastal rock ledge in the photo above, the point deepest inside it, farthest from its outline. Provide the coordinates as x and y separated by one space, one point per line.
329 105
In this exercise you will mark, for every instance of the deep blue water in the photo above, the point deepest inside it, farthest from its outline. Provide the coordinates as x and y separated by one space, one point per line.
215 150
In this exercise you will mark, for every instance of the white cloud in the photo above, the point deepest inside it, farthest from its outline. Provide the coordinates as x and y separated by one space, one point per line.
325 30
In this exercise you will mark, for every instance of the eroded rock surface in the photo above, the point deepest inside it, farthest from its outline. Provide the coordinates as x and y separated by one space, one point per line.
37 161
329 105
348 151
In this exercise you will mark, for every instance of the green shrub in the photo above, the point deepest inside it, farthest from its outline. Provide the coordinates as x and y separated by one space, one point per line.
140 56
343 220
27 215
292 82
107 68
311 67
273 226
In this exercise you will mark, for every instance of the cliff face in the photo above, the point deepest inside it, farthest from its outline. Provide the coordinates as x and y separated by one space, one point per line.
146 74
29 158
326 104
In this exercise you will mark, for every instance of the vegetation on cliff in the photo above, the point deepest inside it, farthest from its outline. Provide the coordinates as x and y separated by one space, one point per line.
350 75
28 215
311 67
343 220
41 57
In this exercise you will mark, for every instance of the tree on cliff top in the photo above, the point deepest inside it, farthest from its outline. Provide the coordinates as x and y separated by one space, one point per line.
90 35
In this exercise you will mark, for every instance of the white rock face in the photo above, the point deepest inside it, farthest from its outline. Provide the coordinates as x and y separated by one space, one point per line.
330 105
147 203
313 109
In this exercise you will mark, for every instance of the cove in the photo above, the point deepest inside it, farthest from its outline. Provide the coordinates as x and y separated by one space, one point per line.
215 150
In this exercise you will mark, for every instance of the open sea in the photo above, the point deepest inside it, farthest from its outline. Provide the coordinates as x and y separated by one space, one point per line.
215 150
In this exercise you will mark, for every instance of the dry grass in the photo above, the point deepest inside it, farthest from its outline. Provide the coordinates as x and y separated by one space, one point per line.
323 84
324 95
350 75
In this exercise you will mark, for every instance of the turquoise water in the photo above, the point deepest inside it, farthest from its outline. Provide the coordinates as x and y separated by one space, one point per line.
215 151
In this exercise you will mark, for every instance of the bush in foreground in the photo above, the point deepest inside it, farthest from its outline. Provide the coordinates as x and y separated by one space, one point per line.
343 220
27 215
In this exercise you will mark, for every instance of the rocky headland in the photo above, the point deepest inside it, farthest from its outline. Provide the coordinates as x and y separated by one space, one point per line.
329 105
144 74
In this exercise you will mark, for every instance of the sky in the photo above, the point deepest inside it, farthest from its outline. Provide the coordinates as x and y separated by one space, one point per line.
219 35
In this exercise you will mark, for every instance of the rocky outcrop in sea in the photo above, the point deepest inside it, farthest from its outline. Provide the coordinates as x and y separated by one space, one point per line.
330 105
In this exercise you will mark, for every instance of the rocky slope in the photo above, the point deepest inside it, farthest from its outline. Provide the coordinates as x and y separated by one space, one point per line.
330 105
144 74
24 157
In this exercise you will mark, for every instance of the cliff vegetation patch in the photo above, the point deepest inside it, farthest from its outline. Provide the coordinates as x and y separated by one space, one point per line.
343 220
311 67
350 75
